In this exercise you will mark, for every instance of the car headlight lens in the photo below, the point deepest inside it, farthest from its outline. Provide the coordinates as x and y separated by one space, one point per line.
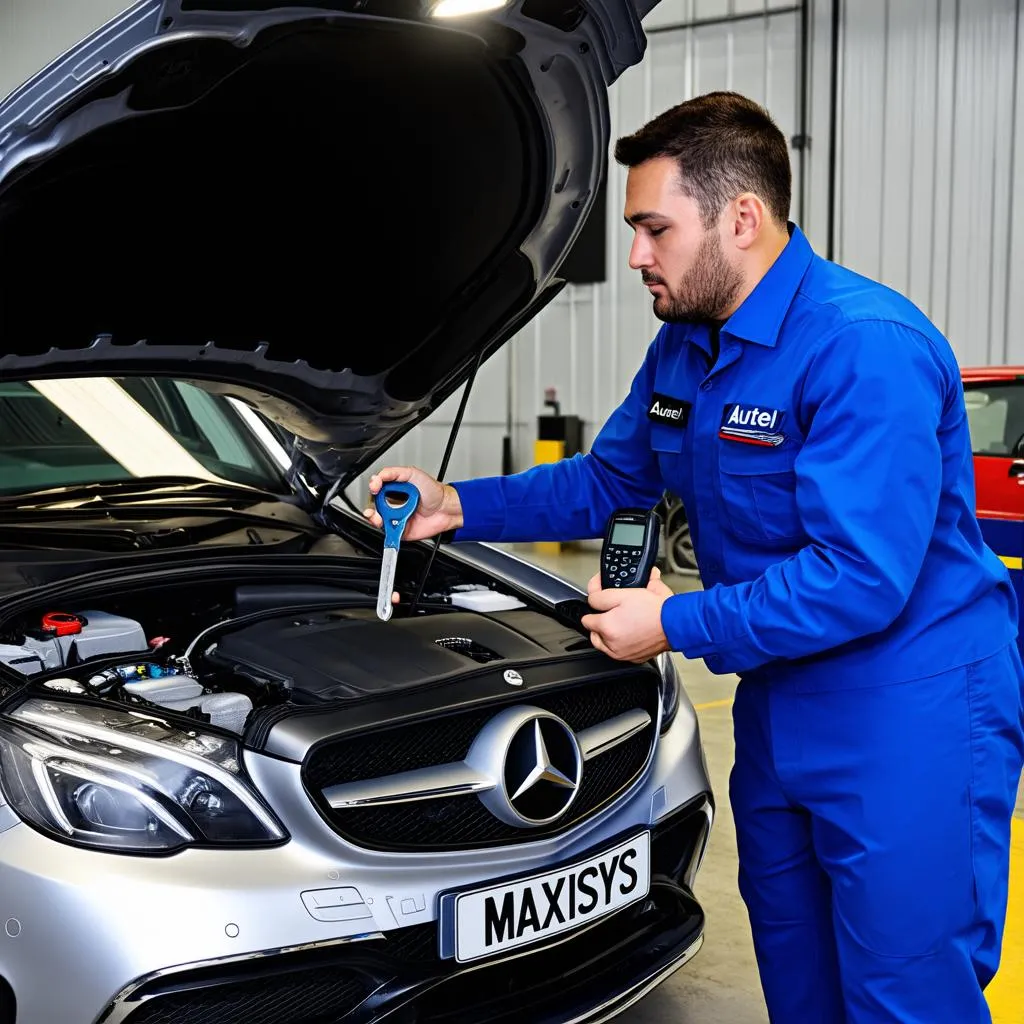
127 782
669 690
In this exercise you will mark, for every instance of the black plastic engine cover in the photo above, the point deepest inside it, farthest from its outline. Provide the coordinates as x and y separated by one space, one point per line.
350 653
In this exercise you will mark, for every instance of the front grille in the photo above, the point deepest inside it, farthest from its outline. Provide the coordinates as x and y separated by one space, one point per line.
463 821
317 996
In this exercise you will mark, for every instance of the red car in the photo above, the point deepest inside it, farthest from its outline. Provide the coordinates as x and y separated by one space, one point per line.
995 413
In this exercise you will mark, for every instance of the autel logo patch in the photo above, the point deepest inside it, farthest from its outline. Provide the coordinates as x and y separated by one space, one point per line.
750 424
666 409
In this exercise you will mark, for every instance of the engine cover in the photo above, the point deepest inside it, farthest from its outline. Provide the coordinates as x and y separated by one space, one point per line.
350 653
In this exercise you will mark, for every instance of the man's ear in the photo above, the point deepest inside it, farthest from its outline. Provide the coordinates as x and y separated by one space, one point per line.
747 219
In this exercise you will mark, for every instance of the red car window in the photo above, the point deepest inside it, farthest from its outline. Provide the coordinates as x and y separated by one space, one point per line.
995 417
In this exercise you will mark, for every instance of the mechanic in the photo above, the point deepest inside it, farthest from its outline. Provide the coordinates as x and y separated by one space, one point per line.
813 424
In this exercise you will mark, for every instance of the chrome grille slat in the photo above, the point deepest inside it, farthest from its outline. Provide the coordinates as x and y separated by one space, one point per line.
599 739
436 782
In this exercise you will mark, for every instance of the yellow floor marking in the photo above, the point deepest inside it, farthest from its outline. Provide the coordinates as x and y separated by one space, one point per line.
1006 993
1012 563
713 704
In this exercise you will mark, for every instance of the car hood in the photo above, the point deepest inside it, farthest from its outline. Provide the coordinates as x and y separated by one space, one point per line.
331 211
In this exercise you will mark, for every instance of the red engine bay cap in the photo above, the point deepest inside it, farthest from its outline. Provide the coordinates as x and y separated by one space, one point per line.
63 623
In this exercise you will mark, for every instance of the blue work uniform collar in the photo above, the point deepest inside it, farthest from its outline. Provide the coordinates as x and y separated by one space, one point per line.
760 316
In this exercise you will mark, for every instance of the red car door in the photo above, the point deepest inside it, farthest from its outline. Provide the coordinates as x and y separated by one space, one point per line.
995 414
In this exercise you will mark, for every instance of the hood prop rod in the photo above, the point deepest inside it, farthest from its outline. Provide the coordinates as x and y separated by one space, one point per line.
444 469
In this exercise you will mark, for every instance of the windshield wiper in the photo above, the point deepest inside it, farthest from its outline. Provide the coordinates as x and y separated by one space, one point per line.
122 492
118 516
84 538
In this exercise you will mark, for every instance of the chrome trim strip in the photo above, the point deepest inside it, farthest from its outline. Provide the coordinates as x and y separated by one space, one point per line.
605 736
442 780
120 1006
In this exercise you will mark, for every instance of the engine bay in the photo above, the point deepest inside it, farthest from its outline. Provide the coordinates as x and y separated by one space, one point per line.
218 652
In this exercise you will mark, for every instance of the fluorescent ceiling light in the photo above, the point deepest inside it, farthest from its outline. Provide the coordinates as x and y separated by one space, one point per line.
458 8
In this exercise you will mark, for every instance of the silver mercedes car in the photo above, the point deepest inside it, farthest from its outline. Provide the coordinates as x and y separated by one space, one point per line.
229 790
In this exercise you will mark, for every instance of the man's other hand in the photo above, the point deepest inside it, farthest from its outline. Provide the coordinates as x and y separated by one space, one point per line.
628 627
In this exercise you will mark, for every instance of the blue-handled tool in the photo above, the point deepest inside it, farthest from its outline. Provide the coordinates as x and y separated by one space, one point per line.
396 503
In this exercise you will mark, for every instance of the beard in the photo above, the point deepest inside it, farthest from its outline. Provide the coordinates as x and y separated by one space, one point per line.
705 292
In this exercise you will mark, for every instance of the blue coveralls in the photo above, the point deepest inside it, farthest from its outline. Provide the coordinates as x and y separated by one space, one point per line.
826 469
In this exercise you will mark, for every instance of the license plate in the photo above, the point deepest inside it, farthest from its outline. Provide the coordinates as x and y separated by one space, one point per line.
503 917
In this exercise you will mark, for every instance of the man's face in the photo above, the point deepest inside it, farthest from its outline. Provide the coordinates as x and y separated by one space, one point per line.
683 264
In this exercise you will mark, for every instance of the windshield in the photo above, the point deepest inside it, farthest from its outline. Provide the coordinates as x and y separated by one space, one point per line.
995 417
68 432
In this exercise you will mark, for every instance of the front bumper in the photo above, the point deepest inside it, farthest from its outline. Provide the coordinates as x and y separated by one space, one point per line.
119 931
589 976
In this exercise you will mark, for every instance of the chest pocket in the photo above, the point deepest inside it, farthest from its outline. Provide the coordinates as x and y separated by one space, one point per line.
666 439
759 492
667 444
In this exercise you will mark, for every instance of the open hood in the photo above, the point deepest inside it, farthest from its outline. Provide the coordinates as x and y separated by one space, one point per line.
330 210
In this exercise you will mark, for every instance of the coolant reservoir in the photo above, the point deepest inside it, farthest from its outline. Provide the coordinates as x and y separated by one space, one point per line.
64 638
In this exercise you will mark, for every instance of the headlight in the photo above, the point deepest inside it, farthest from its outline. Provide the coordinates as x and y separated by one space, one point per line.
669 690
127 782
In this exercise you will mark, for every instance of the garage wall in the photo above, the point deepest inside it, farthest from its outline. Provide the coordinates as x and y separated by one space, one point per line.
931 128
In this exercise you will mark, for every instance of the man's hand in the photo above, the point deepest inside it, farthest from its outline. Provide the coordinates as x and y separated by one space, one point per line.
439 509
629 626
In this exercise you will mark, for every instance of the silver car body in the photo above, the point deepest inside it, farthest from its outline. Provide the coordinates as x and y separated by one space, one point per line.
104 924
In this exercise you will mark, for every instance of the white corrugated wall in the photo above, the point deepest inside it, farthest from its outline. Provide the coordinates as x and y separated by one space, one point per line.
929 157
930 140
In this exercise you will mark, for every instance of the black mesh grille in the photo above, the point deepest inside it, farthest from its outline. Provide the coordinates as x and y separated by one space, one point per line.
318 996
415 944
464 821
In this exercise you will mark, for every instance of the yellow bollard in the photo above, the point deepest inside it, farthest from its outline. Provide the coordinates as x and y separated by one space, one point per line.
548 451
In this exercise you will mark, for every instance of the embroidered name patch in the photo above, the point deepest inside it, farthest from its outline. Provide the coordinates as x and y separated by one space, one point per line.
666 409
750 424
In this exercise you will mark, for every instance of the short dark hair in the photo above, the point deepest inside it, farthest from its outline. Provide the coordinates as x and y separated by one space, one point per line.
725 144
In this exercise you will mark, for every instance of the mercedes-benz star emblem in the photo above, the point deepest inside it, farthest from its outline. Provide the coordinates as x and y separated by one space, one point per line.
538 759
542 769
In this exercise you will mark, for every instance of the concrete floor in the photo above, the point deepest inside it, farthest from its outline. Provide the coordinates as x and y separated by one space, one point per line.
720 986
